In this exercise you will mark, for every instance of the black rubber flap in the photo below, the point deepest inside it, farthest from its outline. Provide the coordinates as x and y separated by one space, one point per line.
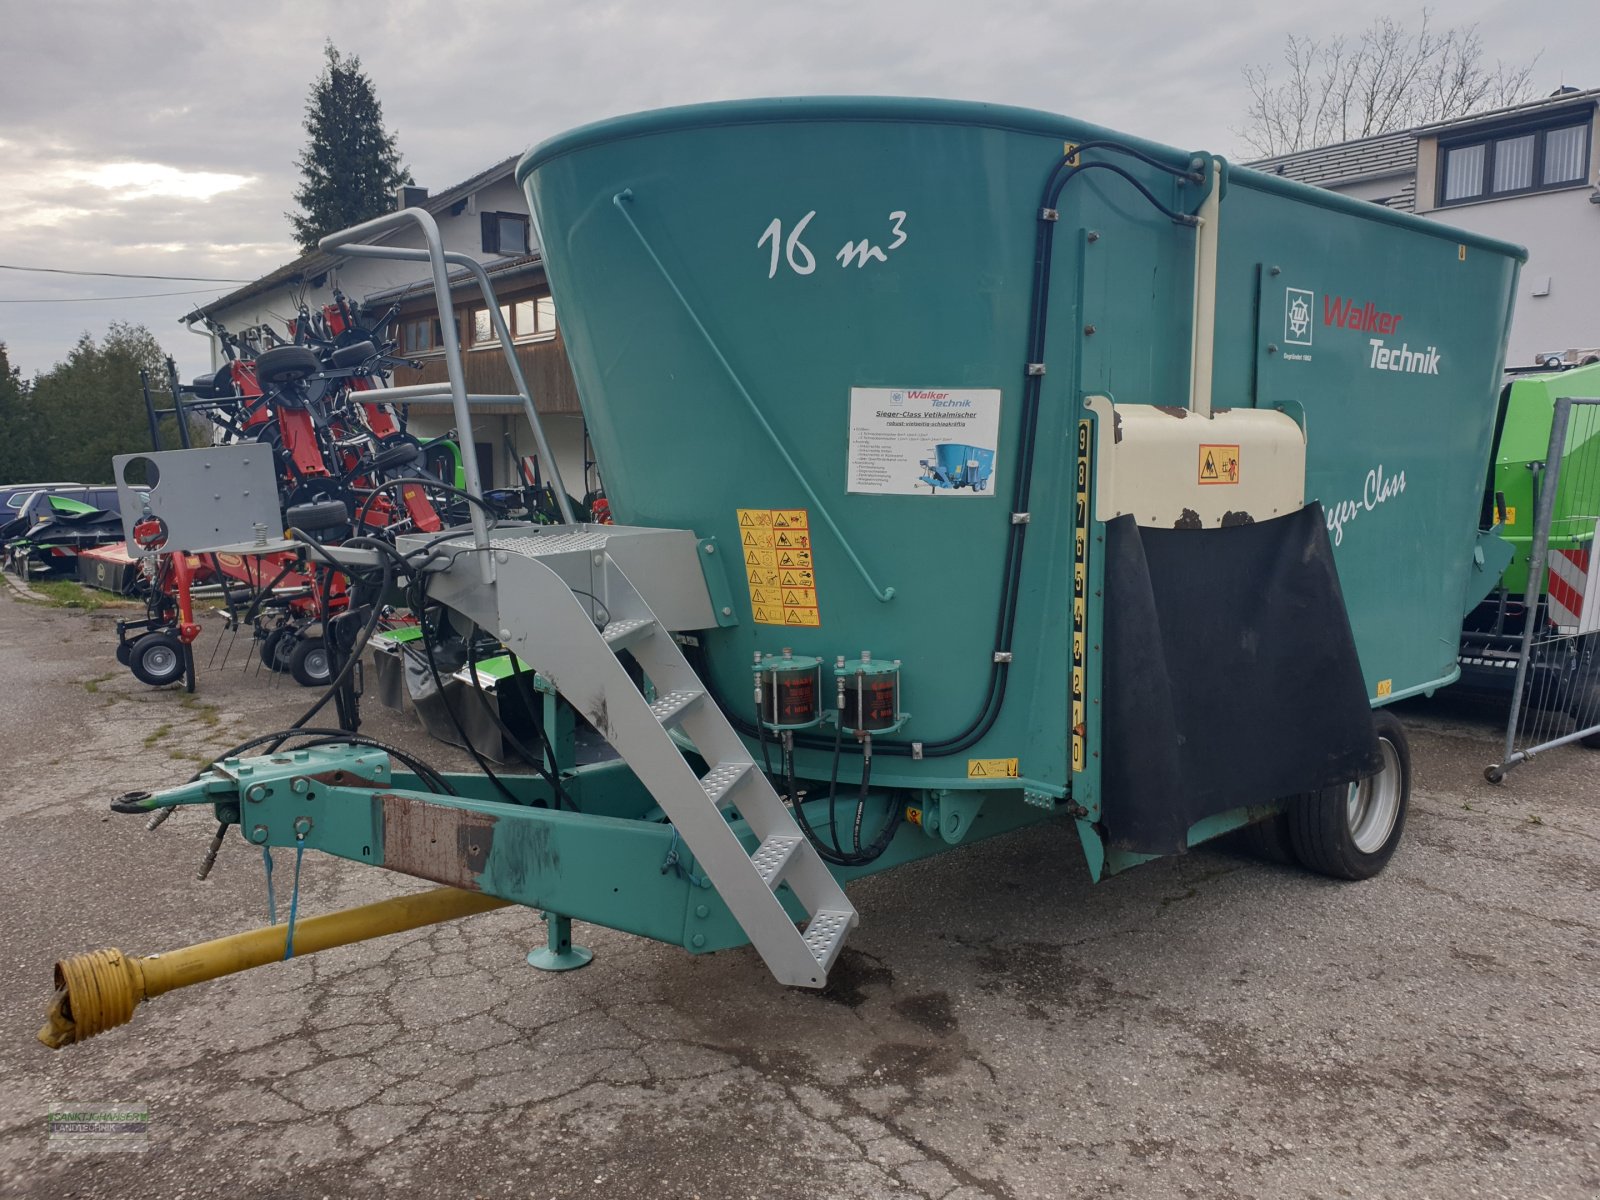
1230 675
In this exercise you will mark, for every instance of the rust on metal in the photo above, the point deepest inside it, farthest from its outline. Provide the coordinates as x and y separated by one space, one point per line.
1189 520
433 841
343 778
1230 519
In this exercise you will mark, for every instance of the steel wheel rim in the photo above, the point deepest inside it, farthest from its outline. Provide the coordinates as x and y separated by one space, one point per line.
282 652
160 660
316 664
1373 805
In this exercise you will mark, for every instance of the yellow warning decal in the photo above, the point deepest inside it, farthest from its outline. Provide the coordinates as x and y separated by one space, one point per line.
1219 464
776 544
991 768
1080 598
1511 515
1385 687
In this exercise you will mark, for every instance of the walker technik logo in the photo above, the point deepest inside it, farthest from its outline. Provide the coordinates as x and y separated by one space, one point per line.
1297 316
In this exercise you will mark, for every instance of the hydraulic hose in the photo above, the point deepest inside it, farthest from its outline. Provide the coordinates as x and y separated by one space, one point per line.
1068 168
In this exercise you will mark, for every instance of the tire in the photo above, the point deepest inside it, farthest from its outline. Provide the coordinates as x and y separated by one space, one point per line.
276 648
286 364
308 663
1351 831
124 653
157 659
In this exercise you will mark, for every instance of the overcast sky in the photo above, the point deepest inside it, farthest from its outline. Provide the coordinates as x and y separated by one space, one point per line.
160 137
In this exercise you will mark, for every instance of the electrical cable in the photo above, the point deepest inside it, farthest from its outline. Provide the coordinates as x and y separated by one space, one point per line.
553 775
385 551
536 761
123 275
431 778
426 481
420 608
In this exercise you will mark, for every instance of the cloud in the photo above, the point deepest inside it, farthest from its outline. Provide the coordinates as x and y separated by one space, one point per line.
156 139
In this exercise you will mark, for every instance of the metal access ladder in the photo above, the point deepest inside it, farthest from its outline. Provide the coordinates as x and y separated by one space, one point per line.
561 601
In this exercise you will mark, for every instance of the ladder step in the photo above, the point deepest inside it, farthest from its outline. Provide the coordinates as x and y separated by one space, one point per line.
723 778
622 633
824 934
670 707
773 855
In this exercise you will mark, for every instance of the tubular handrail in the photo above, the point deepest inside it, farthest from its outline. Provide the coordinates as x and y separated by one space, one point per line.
353 238
486 286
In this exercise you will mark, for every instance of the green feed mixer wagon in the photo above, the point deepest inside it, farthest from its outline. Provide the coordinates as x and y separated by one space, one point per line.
1212 447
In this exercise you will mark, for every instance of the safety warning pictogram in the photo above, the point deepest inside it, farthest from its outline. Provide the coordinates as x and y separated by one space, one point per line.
1219 464
776 543
991 768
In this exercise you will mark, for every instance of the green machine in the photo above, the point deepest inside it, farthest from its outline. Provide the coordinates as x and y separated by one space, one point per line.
1232 432
1523 439
1492 633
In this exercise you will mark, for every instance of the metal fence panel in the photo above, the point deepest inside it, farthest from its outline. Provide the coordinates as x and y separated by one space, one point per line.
1556 697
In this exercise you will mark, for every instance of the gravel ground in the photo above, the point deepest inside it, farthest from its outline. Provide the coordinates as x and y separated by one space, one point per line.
1205 1026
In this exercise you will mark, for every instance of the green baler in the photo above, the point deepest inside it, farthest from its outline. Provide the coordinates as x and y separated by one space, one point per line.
1232 434
1492 632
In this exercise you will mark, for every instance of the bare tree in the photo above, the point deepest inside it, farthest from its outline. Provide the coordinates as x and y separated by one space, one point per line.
1386 78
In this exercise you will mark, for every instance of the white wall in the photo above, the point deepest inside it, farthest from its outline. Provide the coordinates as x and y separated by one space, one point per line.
357 278
1561 231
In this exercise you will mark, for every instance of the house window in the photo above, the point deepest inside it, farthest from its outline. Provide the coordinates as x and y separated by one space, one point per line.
419 336
483 332
504 233
1511 162
534 318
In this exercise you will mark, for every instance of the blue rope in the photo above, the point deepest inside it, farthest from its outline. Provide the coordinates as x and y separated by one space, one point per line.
674 862
294 899
272 901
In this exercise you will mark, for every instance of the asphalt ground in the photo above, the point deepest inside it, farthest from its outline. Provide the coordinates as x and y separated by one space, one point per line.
1203 1026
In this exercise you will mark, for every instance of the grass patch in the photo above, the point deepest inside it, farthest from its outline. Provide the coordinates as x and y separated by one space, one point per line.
92 686
156 734
65 593
205 713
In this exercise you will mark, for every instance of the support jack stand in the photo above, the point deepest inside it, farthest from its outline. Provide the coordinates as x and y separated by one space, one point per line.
558 953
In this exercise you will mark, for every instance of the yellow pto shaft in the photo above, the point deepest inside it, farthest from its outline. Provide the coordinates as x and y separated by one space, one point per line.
100 990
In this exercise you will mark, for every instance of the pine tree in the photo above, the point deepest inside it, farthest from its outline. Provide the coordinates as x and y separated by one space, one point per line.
16 433
352 167
90 406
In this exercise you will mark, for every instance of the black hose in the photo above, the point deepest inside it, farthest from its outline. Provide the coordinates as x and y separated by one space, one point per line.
421 609
553 773
536 761
385 553
426 481
1061 174
434 781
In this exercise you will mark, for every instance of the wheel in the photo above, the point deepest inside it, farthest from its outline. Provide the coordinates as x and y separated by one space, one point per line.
308 663
286 364
157 659
1351 831
276 648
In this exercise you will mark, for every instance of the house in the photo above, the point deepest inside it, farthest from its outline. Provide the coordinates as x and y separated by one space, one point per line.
1526 174
487 217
